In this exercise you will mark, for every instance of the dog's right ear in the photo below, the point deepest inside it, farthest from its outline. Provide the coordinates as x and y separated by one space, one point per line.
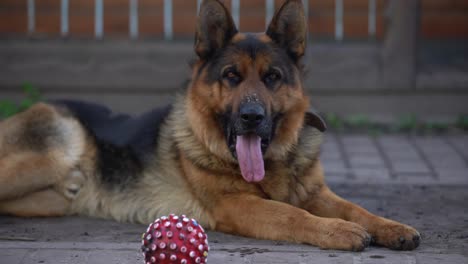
288 28
215 28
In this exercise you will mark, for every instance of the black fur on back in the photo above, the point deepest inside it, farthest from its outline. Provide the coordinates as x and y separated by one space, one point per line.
124 143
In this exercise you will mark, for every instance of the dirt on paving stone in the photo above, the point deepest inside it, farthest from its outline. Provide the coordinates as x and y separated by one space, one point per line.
439 213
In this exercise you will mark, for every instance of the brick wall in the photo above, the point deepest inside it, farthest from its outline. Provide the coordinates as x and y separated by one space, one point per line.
439 18
444 18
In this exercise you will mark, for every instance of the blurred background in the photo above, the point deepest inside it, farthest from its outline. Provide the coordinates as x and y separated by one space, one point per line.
403 62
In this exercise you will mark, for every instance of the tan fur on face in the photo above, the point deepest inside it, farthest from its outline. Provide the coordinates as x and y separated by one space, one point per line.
206 101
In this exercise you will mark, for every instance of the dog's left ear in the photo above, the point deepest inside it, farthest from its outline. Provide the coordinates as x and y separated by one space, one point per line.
288 28
215 28
312 118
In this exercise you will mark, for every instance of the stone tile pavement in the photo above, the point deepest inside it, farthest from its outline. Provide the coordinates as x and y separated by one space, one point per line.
421 181
441 159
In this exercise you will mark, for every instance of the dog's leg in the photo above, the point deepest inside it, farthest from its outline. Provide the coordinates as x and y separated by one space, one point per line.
43 203
385 232
35 150
252 216
27 172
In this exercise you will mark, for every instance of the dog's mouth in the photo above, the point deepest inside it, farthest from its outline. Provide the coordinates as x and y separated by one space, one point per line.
248 147
233 140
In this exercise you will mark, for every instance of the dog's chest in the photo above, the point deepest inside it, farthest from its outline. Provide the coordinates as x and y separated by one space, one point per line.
293 180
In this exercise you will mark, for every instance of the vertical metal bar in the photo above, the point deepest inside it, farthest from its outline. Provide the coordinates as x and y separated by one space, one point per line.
198 6
31 16
99 19
305 3
64 18
235 11
306 13
339 30
168 20
269 11
133 19
372 18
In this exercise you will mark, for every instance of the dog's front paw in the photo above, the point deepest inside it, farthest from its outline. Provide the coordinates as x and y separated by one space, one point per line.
343 235
397 236
71 184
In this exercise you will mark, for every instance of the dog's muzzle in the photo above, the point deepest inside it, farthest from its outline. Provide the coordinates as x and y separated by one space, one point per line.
251 115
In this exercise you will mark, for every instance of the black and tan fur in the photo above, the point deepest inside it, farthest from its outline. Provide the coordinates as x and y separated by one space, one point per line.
70 157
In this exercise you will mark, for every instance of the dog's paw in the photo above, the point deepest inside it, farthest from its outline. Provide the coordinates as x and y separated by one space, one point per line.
344 235
397 236
72 184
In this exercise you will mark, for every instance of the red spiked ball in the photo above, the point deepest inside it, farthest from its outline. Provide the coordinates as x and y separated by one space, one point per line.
175 239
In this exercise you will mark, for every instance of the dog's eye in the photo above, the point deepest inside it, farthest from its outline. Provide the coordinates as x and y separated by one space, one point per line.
272 77
232 76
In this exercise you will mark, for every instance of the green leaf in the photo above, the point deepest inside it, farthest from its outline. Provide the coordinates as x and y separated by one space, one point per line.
31 92
7 108
407 123
334 121
358 120
462 122
26 103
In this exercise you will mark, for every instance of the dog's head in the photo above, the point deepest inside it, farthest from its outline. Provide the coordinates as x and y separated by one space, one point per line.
246 100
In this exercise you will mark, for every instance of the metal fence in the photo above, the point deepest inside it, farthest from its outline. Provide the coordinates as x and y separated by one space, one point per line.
168 15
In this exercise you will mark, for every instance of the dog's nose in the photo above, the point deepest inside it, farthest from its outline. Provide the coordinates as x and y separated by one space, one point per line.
251 115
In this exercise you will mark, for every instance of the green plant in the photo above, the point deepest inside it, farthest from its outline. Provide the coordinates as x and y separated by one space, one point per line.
407 123
436 126
462 122
9 108
334 121
359 120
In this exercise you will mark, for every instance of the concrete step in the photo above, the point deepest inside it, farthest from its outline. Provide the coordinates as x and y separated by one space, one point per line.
135 76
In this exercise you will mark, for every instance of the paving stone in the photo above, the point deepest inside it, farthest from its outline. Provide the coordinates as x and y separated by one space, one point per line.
442 224
452 176
276 257
329 138
410 154
367 161
460 143
54 256
228 257
416 178
331 257
330 145
356 140
362 149
334 167
115 256
392 142
433 145
441 259
367 258
12 256
434 205
446 160
337 178
410 167
371 175
369 149
331 154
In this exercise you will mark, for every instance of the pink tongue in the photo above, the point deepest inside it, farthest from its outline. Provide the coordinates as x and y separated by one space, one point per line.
249 155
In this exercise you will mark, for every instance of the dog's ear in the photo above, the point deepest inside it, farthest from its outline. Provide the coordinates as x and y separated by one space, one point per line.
312 118
288 28
215 28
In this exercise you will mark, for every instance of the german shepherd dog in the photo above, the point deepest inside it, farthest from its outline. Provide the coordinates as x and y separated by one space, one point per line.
238 150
